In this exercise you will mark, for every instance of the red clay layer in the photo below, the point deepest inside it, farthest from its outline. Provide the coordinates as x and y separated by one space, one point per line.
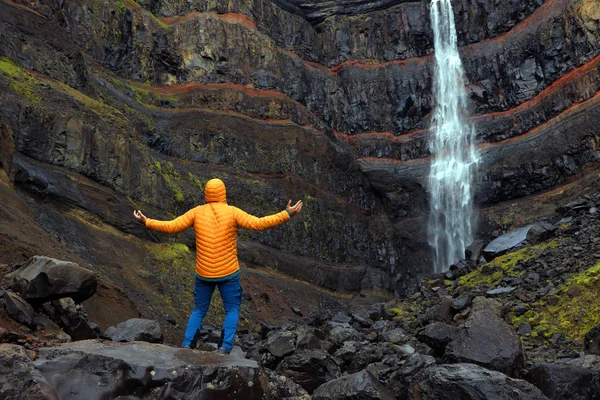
556 86
234 18
23 7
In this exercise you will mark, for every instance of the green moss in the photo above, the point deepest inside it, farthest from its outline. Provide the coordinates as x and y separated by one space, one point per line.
571 316
503 266
33 89
20 80
171 176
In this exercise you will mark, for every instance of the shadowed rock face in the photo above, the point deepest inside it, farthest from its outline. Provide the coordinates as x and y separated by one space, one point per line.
116 105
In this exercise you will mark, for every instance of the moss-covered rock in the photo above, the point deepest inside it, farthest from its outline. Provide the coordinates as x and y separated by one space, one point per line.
574 314
490 274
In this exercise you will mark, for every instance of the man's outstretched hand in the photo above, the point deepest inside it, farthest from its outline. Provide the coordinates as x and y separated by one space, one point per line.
137 214
296 208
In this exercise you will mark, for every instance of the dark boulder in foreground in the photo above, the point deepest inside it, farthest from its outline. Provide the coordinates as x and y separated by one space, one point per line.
44 279
310 368
362 385
135 329
19 379
565 382
93 369
487 340
470 382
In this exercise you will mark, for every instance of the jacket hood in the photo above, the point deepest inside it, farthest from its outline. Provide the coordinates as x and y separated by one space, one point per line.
215 192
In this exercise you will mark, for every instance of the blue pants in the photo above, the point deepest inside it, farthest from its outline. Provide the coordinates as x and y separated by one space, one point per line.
231 293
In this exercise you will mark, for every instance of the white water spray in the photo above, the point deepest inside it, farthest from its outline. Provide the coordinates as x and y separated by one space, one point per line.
454 157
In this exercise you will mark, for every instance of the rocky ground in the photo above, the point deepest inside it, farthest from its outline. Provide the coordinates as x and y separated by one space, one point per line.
517 318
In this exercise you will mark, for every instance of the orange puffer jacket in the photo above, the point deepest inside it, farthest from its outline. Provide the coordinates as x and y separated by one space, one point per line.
216 225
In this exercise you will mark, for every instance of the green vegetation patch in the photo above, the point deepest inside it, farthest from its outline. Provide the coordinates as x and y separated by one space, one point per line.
503 266
34 89
21 81
574 314
171 177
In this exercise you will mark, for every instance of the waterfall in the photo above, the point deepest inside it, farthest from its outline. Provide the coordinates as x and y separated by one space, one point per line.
454 156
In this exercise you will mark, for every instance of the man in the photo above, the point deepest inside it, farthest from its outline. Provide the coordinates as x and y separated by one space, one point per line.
216 224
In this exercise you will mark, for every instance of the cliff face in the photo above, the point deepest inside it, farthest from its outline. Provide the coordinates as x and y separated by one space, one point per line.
328 101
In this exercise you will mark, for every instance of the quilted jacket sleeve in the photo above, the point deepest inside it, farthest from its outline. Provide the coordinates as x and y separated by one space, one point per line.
247 221
179 224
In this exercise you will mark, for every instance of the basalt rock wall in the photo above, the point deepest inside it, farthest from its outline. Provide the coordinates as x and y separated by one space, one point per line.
326 101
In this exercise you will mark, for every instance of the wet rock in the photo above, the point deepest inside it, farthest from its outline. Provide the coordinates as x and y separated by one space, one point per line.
565 382
19 379
487 340
70 317
281 387
365 356
463 301
95 370
524 329
591 341
505 243
394 336
281 343
474 251
470 382
309 368
135 329
540 232
49 331
342 318
361 385
500 291
400 381
376 311
438 335
341 334
7 336
44 279
19 309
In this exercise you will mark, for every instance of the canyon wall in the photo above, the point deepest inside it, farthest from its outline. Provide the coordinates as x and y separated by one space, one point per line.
325 101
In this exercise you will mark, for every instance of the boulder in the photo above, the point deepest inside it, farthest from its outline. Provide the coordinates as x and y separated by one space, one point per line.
400 381
7 336
473 252
591 341
470 382
19 379
438 335
395 336
487 340
565 382
540 232
361 385
340 334
135 329
71 317
49 331
19 309
44 279
281 343
281 387
505 243
463 301
310 368
92 369
365 356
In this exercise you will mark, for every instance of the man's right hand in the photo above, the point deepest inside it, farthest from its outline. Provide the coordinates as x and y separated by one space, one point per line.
296 208
137 214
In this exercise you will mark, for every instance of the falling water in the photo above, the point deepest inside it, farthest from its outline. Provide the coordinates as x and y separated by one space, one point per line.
454 157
